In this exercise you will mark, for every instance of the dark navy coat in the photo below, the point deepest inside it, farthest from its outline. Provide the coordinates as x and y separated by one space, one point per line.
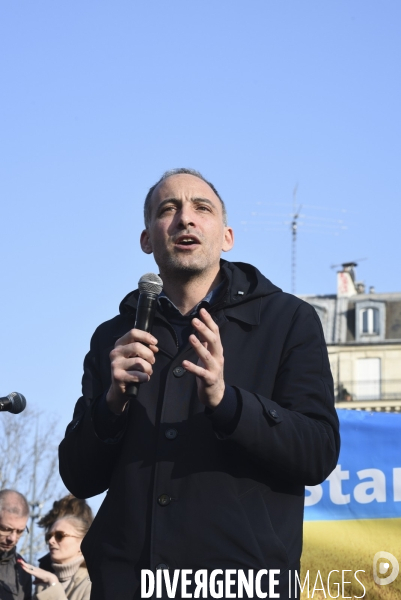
180 492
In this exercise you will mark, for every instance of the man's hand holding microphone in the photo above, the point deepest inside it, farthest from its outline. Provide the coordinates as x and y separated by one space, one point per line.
131 362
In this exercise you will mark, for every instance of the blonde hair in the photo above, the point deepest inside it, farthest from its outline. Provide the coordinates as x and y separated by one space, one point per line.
68 505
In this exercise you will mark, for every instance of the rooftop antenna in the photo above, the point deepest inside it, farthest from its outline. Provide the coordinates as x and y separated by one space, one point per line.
294 229
329 225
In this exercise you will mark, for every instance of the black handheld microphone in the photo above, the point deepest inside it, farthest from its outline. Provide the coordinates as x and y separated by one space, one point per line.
150 285
13 403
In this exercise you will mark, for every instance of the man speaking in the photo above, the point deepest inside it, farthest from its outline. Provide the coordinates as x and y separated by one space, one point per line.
206 467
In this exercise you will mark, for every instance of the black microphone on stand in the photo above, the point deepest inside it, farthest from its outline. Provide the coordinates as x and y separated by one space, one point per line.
13 403
150 285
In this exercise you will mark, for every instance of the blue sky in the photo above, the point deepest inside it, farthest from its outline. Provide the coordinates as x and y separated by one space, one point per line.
99 98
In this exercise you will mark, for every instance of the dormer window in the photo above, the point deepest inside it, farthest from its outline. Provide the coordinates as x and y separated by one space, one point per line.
370 321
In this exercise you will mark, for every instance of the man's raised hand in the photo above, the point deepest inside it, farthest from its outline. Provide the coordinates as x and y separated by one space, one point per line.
209 369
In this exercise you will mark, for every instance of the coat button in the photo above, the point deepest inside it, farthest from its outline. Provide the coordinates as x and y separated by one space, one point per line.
164 500
171 434
274 414
179 371
162 566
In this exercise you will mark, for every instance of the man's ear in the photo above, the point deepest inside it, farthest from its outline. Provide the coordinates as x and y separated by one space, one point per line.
228 241
145 242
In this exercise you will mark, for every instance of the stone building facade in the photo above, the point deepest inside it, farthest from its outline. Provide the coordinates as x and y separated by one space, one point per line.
363 335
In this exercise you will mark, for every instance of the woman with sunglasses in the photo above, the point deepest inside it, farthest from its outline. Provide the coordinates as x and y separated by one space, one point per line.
68 505
70 580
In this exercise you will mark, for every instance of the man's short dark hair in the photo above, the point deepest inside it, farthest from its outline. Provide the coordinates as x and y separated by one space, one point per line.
147 208
13 502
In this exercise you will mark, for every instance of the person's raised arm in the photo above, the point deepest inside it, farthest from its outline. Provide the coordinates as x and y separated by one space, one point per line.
294 434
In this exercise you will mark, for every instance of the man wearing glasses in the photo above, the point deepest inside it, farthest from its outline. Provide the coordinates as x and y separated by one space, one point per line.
15 584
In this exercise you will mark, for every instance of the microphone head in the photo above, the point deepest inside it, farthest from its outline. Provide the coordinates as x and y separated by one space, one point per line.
18 403
150 283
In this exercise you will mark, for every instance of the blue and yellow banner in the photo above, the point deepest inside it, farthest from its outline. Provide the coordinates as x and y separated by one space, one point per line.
366 483
352 530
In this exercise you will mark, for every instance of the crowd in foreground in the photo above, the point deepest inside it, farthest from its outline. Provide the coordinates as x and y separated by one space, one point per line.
62 573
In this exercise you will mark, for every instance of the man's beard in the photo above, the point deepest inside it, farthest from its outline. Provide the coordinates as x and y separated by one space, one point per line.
177 270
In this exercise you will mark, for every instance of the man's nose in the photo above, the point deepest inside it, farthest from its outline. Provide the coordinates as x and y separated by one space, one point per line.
12 537
186 217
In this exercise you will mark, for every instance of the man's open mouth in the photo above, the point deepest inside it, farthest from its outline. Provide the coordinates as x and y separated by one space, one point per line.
186 240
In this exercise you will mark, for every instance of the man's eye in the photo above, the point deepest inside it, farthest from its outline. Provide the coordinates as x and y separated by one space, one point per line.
204 207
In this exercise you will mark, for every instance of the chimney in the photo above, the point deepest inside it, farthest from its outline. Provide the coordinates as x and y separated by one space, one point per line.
346 281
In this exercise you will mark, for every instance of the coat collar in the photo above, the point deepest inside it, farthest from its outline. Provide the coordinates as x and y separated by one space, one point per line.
243 283
7 555
247 313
